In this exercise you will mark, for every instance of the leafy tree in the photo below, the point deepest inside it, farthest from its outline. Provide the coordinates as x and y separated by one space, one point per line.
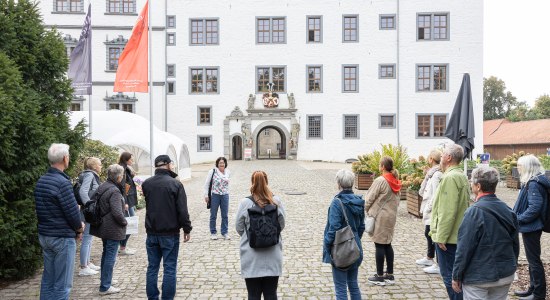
107 154
34 99
497 102
542 107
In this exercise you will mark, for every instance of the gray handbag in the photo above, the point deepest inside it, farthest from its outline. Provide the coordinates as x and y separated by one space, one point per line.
345 250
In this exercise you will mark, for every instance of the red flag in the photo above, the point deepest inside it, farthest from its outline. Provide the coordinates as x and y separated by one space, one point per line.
131 74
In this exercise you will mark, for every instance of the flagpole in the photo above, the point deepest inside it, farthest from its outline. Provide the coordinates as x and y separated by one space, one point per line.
90 96
150 87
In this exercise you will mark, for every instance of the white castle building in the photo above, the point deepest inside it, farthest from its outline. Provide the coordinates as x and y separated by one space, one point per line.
344 76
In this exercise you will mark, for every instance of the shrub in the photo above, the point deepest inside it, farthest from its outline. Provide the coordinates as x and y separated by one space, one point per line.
107 154
397 153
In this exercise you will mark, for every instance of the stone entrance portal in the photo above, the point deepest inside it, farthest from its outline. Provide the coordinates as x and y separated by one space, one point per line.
237 148
270 143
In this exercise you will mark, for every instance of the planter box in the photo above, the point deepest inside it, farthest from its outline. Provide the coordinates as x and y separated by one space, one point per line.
512 182
403 194
414 201
363 181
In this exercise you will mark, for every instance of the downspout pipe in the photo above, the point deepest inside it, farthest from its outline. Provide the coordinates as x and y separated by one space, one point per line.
398 75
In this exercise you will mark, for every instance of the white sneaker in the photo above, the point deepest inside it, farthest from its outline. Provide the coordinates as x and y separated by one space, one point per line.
127 251
424 262
433 269
226 236
87 272
111 290
213 236
94 267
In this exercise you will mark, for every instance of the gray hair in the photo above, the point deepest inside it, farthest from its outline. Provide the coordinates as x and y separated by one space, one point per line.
455 151
114 171
487 177
530 167
345 179
57 152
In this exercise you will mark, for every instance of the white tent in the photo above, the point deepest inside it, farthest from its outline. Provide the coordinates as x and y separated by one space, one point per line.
130 132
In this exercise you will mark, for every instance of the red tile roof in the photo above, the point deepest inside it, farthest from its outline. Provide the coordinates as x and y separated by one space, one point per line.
504 132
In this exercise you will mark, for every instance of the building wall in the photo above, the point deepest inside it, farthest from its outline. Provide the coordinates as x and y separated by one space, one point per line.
237 56
501 151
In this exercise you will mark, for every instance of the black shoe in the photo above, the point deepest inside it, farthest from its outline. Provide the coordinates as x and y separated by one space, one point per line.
525 293
389 279
530 297
377 279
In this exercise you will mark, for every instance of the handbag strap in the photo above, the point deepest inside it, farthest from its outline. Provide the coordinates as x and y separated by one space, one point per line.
343 210
211 181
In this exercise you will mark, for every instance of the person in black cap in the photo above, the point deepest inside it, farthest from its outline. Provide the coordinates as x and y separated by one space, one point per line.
166 213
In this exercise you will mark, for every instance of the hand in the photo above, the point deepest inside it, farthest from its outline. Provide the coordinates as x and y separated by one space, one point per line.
83 226
79 236
206 199
442 246
457 286
126 207
186 237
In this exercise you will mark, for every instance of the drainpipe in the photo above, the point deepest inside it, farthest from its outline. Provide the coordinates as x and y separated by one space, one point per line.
165 74
398 75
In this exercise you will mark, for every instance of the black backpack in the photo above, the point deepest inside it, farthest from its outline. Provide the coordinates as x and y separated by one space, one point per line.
78 185
264 228
92 210
546 215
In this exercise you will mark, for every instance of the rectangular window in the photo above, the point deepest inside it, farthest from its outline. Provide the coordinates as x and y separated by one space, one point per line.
386 71
271 30
121 6
170 39
431 78
387 22
205 116
431 125
204 80
171 21
314 26
351 28
387 121
205 143
204 32
315 126
171 88
266 132
432 26
275 75
69 6
170 70
114 54
349 76
127 107
76 106
351 126
314 79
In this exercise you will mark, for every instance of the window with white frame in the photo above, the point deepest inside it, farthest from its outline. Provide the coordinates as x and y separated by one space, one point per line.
76 106
267 74
204 32
121 6
386 121
314 29
351 28
431 125
349 78
266 132
205 115
171 39
171 21
204 80
431 77
387 22
386 71
171 87
351 126
270 30
121 102
204 143
315 126
432 26
314 79
68 6
170 70
114 50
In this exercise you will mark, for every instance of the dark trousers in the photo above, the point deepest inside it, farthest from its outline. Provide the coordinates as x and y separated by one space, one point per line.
262 285
431 246
531 242
384 251
446 260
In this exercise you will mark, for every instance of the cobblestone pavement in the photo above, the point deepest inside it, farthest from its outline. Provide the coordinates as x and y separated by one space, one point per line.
210 269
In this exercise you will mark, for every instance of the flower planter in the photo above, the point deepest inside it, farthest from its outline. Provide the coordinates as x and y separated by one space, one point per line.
512 182
414 201
363 181
403 196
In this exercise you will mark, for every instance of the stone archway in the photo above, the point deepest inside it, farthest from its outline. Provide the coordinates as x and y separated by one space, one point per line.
270 143
275 127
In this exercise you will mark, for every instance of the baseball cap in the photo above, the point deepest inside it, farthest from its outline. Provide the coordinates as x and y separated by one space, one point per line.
162 160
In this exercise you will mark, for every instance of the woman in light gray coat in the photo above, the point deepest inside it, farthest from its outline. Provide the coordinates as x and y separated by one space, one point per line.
260 268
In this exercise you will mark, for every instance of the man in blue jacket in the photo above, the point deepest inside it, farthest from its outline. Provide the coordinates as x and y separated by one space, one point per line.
488 243
59 225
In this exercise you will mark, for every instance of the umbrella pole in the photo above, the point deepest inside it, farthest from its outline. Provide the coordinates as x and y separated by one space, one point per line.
466 167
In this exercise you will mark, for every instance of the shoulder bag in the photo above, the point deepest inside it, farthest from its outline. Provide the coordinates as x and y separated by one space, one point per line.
369 221
345 250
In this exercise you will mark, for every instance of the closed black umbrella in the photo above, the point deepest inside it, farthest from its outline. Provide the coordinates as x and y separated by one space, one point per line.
461 124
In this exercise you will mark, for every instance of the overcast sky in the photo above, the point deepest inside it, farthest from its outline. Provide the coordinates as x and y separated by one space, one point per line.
517 46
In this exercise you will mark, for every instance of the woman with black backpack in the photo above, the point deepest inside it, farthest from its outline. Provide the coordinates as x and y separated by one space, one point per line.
261 248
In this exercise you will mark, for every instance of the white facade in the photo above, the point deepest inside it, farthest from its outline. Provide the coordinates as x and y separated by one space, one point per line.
237 55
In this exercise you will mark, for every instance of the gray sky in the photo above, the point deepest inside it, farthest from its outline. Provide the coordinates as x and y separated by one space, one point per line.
517 46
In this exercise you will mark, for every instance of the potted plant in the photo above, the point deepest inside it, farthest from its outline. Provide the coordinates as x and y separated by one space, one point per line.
363 174
413 181
509 164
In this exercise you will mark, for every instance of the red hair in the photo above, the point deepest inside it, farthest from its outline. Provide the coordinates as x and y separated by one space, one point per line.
260 190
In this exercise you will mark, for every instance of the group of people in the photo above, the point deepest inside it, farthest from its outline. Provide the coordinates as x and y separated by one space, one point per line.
476 245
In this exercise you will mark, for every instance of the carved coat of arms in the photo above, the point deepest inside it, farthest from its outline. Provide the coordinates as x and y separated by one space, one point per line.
270 99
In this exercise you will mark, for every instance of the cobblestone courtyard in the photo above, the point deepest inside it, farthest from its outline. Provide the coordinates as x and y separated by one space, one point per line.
209 269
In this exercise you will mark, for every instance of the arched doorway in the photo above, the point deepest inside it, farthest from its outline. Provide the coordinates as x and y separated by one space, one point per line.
271 143
237 148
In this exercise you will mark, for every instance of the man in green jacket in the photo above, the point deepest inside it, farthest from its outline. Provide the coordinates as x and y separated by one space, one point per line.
449 204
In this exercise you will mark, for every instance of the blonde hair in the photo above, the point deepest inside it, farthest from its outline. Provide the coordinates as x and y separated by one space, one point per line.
436 154
91 162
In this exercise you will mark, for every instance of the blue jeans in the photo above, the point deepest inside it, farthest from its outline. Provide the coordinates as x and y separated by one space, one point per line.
446 260
57 279
163 247
131 213
221 201
344 280
86 246
108 259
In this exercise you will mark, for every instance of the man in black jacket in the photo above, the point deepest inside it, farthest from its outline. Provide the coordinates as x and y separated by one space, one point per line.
166 213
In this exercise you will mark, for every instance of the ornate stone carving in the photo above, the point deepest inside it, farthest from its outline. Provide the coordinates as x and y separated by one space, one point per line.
237 112
291 101
251 100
